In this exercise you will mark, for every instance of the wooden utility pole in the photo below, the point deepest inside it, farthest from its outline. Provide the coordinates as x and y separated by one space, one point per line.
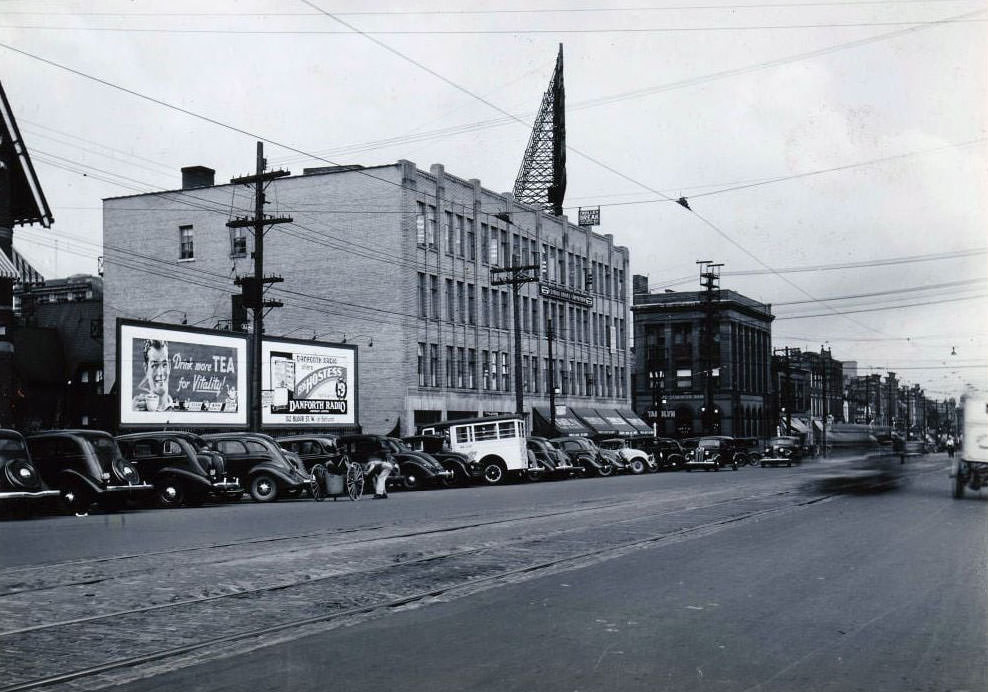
710 281
516 275
552 377
252 287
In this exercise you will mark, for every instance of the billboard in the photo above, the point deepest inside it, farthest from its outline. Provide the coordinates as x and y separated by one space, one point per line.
177 375
307 383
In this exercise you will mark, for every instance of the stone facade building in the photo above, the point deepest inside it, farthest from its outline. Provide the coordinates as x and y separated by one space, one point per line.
396 260
671 372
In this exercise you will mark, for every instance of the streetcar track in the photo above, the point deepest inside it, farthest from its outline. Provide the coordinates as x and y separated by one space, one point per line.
456 585
544 566
336 575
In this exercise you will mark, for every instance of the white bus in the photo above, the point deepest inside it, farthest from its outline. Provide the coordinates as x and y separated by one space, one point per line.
497 443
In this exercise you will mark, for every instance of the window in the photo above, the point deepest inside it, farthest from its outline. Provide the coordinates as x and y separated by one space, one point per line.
504 310
458 238
485 308
420 224
535 374
525 373
524 314
495 313
186 250
505 373
535 315
544 268
485 244
485 374
433 365
461 304
471 241
430 228
423 305
238 242
472 368
684 378
450 366
450 231
493 371
504 259
421 364
450 304
461 367
471 304
434 290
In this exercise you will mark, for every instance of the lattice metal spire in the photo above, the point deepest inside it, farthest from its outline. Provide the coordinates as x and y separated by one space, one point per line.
541 179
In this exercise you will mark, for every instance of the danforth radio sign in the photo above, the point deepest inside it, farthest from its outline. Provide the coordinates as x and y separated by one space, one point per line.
305 383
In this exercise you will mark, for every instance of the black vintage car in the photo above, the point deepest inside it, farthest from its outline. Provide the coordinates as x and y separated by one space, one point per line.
584 453
259 465
784 449
666 453
465 470
715 452
180 465
20 482
86 466
555 463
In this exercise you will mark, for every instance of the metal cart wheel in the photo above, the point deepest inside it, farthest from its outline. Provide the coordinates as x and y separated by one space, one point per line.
354 481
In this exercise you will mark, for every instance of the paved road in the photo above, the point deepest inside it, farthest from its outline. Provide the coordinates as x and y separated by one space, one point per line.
757 583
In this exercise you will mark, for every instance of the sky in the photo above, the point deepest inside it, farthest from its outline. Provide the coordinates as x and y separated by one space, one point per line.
833 152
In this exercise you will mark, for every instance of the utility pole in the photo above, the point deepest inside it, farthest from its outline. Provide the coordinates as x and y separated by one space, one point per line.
252 287
824 408
552 377
710 281
516 275
655 380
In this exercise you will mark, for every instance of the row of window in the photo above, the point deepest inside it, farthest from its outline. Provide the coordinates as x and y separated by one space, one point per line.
498 247
492 373
187 246
570 323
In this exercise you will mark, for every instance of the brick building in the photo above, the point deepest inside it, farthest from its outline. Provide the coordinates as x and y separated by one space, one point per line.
396 260
671 373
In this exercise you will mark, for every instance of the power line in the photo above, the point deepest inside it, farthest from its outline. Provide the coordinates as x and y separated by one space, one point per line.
880 309
896 291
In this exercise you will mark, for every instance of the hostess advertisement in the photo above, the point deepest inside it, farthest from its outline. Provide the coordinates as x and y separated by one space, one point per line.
307 383
170 375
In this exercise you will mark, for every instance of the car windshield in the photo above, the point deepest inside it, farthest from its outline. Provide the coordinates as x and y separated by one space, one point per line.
12 449
105 448
783 441
709 443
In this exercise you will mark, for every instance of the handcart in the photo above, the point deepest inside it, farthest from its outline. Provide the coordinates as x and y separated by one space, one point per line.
349 482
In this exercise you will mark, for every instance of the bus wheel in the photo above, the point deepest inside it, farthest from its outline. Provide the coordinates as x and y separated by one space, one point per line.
494 472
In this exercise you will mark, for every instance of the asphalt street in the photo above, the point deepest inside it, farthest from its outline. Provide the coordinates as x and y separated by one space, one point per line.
748 580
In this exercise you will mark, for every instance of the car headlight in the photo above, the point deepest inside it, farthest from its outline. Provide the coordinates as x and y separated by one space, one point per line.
24 473
105 476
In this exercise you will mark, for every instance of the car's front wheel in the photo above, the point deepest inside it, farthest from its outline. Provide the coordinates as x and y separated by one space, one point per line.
263 488
637 466
169 493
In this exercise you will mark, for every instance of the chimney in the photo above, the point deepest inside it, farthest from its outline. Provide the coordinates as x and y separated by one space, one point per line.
197 176
639 284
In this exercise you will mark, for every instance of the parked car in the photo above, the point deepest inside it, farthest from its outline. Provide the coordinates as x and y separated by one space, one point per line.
554 462
259 465
417 469
20 482
637 460
183 470
667 453
465 469
784 449
496 443
583 452
86 466
714 452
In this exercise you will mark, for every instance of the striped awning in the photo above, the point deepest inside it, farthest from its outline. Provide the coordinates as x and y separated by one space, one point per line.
7 269
28 274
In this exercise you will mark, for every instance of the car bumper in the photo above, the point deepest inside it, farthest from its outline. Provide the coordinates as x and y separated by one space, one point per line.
226 486
138 488
27 494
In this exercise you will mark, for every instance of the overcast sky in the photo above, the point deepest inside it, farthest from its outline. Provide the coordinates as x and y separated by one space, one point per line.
806 135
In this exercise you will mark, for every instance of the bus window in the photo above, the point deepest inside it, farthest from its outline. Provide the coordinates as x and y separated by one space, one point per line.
507 429
487 431
462 434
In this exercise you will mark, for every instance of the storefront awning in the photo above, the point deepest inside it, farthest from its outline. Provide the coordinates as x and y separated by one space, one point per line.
597 424
639 426
617 421
566 424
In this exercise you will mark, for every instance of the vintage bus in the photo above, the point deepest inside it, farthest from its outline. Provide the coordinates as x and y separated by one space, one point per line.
497 443
971 469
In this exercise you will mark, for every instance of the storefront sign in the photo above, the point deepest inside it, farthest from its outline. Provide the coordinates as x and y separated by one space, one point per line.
561 293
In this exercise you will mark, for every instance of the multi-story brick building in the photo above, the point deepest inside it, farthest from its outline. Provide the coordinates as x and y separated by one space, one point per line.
672 374
396 260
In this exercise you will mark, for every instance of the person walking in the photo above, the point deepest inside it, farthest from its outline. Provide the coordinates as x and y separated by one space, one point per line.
951 445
